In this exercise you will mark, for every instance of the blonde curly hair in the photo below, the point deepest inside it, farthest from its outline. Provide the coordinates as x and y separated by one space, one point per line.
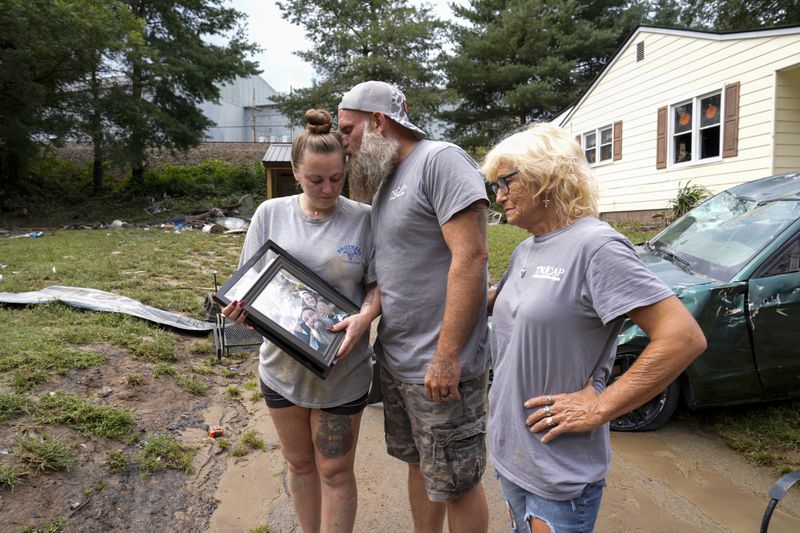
550 162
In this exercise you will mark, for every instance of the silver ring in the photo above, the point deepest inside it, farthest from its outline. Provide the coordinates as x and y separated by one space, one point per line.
446 393
549 399
547 410
550 422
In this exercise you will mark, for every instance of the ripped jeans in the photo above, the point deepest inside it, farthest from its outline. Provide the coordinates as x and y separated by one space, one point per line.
568 516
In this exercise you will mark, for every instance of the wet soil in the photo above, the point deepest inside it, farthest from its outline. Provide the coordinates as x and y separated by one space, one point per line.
676 479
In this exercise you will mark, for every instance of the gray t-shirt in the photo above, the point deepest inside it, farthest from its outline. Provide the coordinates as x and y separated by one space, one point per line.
433 183
552 330
339 249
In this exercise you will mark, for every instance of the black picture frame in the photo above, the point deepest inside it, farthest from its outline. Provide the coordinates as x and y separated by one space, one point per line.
278 291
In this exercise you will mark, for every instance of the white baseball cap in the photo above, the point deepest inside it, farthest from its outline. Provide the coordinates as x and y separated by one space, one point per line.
381 97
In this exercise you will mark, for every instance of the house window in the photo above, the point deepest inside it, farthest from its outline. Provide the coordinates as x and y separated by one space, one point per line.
598 145
696 128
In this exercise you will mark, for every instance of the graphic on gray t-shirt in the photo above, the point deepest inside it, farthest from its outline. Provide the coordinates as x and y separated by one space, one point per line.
339 249
553 330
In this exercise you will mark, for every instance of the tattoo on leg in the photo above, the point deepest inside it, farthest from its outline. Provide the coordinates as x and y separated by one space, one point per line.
335 435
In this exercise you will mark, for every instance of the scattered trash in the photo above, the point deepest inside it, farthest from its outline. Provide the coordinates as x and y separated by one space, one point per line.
32 235
3 267
54 270
233 223
213 229
1 277
215 432
96 300
180 228
233 368
118 224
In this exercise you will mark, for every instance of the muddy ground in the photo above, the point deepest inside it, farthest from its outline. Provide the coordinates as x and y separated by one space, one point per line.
674 479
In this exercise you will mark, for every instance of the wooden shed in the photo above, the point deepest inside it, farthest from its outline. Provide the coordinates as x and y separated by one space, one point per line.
278 169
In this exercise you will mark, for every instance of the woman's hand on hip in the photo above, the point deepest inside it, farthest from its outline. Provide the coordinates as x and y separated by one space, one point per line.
564 413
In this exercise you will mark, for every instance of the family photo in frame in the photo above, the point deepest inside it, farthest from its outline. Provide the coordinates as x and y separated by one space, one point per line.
290 305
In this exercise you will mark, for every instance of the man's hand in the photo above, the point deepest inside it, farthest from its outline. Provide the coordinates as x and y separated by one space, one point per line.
442 378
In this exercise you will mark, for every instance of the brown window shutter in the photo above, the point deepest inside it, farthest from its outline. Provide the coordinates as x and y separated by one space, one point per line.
617 141
661 139
730 142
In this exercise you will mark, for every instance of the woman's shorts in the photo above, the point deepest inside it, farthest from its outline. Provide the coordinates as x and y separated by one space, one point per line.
276 401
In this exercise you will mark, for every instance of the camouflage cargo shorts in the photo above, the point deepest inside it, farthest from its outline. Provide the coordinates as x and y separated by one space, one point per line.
446 439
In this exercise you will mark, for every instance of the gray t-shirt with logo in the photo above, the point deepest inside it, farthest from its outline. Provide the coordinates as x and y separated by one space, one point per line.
433 183
553 329
339 249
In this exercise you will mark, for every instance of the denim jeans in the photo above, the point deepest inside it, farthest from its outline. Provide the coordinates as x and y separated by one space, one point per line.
568 516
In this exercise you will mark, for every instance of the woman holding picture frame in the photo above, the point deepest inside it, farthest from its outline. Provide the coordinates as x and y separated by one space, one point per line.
317 420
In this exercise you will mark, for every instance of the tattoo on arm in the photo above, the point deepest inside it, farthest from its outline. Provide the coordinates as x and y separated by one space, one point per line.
335 435
481 211
369 298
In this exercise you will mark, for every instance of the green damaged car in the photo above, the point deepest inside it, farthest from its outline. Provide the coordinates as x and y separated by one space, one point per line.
734 261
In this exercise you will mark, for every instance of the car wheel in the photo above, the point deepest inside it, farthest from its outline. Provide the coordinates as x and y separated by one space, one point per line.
653 414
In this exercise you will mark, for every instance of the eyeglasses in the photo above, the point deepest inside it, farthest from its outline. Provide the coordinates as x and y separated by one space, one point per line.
502 182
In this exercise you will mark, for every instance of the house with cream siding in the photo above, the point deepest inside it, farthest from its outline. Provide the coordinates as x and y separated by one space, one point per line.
675 106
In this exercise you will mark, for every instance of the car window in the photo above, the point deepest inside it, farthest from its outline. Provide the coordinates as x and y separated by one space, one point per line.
721 235
787 261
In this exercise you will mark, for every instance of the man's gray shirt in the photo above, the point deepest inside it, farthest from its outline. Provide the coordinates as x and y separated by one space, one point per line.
338 248
412 261
553 330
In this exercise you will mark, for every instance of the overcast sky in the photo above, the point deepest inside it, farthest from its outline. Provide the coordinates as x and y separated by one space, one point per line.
278 38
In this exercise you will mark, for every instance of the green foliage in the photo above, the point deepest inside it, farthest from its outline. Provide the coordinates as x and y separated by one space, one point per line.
195 386
56 526
84 417
209 178
118 462
503 239
689 196
520 61
249 440
391 41
45 453
9 476
233 391
263 528
163 452
12 405
767 434
164 369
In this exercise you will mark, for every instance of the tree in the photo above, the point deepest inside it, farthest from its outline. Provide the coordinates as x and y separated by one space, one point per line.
42 54
355 41
518 61
174 68
738 15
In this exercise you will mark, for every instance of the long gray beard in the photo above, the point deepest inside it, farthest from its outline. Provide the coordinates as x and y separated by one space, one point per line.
373 163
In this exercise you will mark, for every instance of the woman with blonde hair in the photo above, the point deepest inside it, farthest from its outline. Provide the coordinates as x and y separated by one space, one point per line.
318 421
556 316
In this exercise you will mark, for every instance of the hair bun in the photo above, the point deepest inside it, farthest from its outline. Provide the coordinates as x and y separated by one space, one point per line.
318 121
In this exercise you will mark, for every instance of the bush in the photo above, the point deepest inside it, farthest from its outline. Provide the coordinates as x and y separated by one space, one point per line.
689 196
210 178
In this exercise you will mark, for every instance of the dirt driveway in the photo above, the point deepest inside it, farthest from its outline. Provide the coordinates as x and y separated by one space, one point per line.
675 479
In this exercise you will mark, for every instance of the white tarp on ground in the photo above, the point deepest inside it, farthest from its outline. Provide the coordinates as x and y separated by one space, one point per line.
96 300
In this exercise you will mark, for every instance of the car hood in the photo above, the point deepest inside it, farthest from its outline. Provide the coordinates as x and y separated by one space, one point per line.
673 275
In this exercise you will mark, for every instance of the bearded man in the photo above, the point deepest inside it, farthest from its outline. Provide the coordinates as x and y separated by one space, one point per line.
429 210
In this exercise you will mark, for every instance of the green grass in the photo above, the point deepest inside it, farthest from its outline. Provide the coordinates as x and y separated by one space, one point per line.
9 476
164 452
118 462
263 528
249 440
192 385
233 391
45 453
85 417
13 405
